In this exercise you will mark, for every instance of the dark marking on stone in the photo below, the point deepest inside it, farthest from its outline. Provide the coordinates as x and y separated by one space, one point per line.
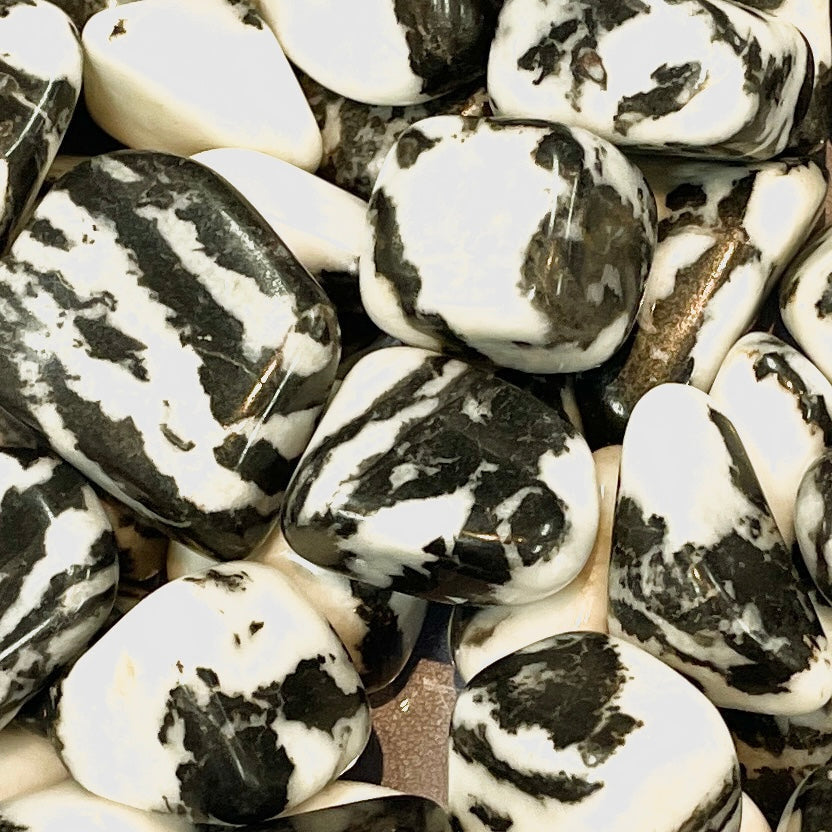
175 440
231 581
411 146
118 30
490 817
43 232
255 627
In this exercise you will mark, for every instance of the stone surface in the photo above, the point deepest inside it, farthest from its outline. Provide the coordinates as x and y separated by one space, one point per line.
80 11
813 522
806 301
242 701
776 753
698 77
478 637
584 732
28 763
227 84
385 51
700 575
341 793
67 806
781 407
526 244
753 820
725 235
810 807
41 69
167 344
58 571
322 225
433 478
357 137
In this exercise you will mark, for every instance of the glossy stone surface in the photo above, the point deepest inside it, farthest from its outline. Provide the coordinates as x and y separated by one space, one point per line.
583 732
167 344
806 301
242 701
479 636
707 77
700 575
810 807
386 51
433 478
813 522
67 806
227 84
41 69
58 571
781 407
323 226
777 752
526 244
726 232
28 763
357 137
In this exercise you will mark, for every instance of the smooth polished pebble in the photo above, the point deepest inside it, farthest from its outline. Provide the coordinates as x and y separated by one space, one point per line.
691 77
58 571
385 51
586 732
781 407
806 301
167 344
526 244
67 807
433 478
700 575
226 84
28 763
242 701
753 820
322 225
41 70
810 807
813 522
726 232
478 637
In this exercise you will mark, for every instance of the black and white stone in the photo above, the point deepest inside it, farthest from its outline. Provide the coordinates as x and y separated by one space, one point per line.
806 301
753 820
391 813
430 477
242 702
183 76
58 571
378 627
479 636
810 807
67 807
341 793
40 63
28 763
80 11
322 225
700 575
357 137
776 753
781 407
586 732
690 77
523 243
813 521
389 52
167 344
726 232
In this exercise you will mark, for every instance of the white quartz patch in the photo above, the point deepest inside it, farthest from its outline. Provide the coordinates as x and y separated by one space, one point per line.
190 75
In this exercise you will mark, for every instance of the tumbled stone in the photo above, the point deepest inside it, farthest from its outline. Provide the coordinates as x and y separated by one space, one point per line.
479 636
526 244
58 571
813 522
389 51
167 344
585 732
227 84
810 807
781 407
696 77
28 763
242 702
430 477
41 69
726 232
700 575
